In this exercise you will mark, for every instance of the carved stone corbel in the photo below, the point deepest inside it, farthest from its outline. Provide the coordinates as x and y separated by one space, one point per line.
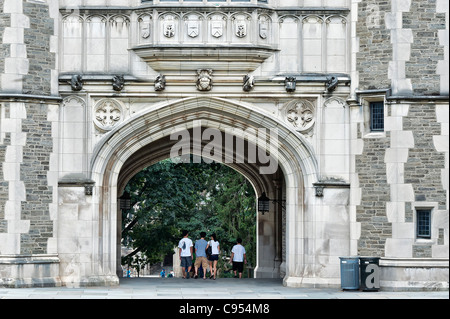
160 83
290 84
76 82
249 83
118 83
332 83
204 80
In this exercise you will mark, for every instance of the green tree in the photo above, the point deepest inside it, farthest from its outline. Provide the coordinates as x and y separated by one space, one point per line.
168 197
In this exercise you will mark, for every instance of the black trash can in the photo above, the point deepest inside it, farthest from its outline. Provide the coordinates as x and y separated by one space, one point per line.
349 273
370 273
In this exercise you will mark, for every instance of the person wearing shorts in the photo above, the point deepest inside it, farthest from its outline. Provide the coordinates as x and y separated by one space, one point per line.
238 258
186 250
200 255
214 257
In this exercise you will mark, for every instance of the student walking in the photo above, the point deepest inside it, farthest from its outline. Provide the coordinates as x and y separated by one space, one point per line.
214 257
186 250
238 258
200 255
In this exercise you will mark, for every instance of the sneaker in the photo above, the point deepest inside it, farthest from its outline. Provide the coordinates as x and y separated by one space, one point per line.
187 276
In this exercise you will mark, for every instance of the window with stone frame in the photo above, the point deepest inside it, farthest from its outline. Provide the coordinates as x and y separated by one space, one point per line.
374 113
423 223
376 110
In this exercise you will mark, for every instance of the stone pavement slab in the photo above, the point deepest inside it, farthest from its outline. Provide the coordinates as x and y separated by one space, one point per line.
229 288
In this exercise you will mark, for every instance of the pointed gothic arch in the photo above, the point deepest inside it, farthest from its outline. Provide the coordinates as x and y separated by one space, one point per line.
140 137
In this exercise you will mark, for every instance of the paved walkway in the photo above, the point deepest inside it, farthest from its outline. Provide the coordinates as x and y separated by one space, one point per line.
177 288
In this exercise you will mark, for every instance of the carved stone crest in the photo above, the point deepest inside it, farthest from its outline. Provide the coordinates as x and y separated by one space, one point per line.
107 114
169 29
263 29
217 29
204 80
300 114
145 26
241 28
193 29
145 31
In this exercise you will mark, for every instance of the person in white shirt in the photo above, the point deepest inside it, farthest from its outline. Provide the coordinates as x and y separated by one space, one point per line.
214 257
238 258
186 253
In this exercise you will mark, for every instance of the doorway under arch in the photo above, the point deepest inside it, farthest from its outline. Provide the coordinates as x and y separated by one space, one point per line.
171 196
269 226
145 139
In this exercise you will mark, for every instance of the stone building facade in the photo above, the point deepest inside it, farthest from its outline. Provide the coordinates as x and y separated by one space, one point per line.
92 91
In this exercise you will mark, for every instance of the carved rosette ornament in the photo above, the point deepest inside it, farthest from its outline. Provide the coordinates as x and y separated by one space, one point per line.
301 115
107 114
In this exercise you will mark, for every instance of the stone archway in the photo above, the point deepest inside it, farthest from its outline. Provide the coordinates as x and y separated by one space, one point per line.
268 225
143 139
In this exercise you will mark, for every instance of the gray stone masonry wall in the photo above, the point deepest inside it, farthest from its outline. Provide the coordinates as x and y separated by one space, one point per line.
33 171
4 186
375 50
5 21
425 50
375 228
424 165
37 39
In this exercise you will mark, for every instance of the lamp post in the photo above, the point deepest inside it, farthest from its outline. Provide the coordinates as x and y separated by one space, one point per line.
264 202
125 201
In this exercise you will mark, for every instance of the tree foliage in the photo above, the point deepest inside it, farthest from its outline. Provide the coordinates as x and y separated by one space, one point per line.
168 197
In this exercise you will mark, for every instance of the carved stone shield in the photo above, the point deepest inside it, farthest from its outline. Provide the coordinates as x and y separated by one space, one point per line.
204 80
217 29
263 29
145 26
145 30
241 28
193 29
169 29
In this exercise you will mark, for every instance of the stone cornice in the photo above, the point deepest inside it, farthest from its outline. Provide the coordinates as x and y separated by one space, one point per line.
17 97
238 58
186 7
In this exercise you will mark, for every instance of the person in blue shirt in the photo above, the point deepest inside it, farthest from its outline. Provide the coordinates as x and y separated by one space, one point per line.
200 252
